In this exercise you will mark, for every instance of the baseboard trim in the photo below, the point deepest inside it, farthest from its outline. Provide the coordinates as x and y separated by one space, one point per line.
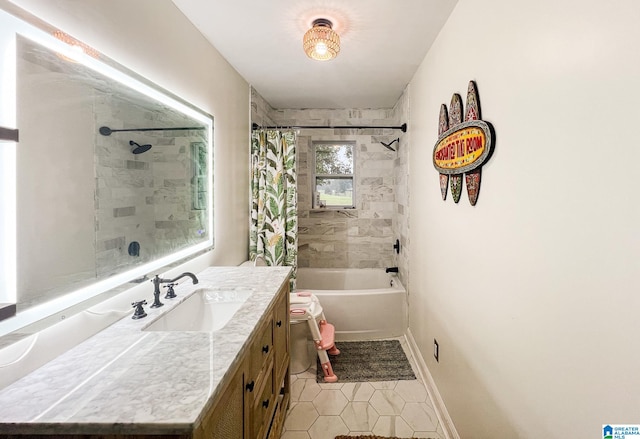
448 428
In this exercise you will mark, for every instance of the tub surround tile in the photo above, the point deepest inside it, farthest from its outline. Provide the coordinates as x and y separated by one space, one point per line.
157 178
402 190
126 380
375 184
124 211
260 109
382 192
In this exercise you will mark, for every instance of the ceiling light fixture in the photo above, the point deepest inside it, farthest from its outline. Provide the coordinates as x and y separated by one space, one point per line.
321 42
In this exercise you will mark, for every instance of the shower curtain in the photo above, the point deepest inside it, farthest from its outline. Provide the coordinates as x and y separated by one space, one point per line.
274 214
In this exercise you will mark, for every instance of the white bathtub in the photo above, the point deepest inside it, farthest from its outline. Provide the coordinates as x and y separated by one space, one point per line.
362 303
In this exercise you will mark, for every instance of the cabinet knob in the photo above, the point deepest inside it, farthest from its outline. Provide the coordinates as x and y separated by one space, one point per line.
279 323
250 385
265 403
265 349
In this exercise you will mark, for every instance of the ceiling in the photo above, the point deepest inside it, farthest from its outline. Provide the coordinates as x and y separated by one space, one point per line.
382 44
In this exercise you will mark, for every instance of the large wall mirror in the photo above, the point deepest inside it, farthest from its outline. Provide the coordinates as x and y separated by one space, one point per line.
111 178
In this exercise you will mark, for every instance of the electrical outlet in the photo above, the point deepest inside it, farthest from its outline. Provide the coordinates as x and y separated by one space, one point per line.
436 350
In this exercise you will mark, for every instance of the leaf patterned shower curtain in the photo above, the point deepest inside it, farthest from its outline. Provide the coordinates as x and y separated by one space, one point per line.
274 214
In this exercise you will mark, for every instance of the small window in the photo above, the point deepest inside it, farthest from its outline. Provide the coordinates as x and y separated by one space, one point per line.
333 177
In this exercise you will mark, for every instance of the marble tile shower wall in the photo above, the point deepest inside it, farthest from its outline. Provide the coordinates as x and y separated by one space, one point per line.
260 109
402 189
143 197
354 238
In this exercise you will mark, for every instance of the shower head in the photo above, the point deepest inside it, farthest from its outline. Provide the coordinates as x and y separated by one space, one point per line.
388 145
137 148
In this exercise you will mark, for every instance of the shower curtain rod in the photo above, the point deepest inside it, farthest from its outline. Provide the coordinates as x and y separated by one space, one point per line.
255 126
106 131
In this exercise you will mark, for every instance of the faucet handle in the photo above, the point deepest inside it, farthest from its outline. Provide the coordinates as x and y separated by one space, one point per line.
170 292
139 312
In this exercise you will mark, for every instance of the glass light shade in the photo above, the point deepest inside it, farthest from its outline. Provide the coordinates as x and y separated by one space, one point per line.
321 42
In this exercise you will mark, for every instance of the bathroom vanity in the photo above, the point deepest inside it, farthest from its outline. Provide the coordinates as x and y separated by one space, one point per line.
130 381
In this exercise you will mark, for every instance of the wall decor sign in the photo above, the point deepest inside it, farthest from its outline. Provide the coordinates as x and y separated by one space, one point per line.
462 146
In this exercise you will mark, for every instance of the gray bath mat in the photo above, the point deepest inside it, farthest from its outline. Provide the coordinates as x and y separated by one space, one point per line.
382 360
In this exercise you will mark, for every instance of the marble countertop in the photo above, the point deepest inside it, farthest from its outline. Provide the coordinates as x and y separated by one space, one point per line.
126 380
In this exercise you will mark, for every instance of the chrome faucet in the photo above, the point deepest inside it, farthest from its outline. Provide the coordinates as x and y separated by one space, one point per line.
156 286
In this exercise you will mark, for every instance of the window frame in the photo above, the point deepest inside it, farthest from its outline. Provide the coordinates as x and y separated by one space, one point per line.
315 175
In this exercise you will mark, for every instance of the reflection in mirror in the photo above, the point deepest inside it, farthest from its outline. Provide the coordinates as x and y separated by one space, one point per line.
114 178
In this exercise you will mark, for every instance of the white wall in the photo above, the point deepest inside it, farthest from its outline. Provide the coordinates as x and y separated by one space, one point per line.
154 39
532 294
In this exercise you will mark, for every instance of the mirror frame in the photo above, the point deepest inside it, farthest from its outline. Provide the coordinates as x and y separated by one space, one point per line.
39 31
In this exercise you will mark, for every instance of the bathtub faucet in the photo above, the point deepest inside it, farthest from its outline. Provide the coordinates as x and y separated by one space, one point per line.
391 270
156 286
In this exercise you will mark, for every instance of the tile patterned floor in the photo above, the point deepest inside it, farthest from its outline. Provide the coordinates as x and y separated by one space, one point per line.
386 408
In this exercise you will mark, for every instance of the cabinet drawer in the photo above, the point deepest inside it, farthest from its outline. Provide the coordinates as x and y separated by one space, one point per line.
281 334
263 405
278 419
261 351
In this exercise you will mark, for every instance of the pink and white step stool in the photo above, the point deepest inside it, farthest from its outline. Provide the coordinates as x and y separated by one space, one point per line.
306 307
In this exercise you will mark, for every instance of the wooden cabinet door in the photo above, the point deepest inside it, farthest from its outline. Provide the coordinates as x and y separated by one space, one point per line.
228 419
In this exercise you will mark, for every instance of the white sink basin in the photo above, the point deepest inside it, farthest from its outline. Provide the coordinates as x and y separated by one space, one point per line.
205 310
